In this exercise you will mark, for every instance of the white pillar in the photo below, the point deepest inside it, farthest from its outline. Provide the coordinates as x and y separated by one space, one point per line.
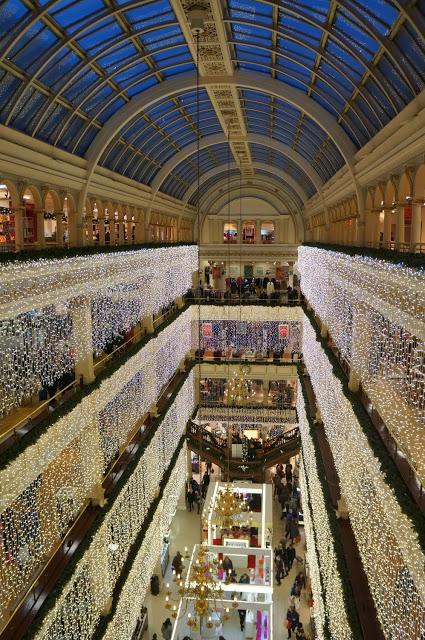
399 237
82 339
416 227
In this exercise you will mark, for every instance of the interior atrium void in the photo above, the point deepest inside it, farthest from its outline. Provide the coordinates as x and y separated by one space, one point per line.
212 319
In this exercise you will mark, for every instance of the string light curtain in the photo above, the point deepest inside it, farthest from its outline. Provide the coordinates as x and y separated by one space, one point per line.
100 567
323 542
68 468
37 310
257 336
374 312
137 582
36 352
312 561
385 536
88 417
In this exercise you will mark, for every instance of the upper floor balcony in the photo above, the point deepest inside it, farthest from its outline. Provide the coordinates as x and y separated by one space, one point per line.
373 311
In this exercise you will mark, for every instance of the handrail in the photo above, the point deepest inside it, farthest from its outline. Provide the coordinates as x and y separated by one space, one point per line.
281 439
239 300
212 404
200 432
76 383
135 437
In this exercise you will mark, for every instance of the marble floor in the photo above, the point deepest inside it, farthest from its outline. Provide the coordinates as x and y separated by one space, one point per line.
185 532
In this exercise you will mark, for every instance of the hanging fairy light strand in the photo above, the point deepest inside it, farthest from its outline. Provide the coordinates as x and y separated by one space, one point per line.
388 545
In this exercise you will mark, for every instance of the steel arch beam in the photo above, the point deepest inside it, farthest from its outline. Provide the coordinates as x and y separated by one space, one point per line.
223 169
245 79
252 138
275 186
264 192
273 181
268 183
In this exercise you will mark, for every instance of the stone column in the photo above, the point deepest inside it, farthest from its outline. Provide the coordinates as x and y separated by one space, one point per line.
416 227
41 239
400 227
89 229
147 323
139 231
387 225
120 229
82 339
258 231
19 228
101 223
59 228
195 279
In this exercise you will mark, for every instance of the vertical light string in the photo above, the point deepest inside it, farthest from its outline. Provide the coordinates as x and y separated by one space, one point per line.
229 435
198 221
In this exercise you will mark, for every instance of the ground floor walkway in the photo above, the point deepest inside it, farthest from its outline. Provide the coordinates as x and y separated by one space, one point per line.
185 532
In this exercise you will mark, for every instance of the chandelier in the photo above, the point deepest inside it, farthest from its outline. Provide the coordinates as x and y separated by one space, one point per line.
239 389
202 588
227 507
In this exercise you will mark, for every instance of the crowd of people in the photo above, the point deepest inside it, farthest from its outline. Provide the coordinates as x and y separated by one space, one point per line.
286 492
196 492
249 289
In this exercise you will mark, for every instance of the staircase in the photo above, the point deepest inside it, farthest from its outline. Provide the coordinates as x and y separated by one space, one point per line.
214 449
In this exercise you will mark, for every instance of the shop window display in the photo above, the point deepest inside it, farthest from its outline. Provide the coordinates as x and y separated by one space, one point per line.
251 339
230 232
267 232
248 232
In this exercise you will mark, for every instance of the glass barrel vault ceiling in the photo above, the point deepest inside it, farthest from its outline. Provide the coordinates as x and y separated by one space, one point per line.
67 66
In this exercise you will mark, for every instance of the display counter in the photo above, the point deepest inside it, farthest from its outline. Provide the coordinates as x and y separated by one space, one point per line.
258 531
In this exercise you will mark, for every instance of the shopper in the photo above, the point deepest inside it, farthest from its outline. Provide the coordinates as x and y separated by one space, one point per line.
291 555
227 565
279 569
242 618
190 499
167 629
277 482
300 580
288 473
205 484
292 620
293 530
177 563
299 631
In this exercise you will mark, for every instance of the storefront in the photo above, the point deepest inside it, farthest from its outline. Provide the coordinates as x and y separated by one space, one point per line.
243 602
7 220
255 530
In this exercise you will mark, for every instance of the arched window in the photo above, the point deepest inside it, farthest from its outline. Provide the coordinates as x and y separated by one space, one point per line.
267 232
230 232
248 232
